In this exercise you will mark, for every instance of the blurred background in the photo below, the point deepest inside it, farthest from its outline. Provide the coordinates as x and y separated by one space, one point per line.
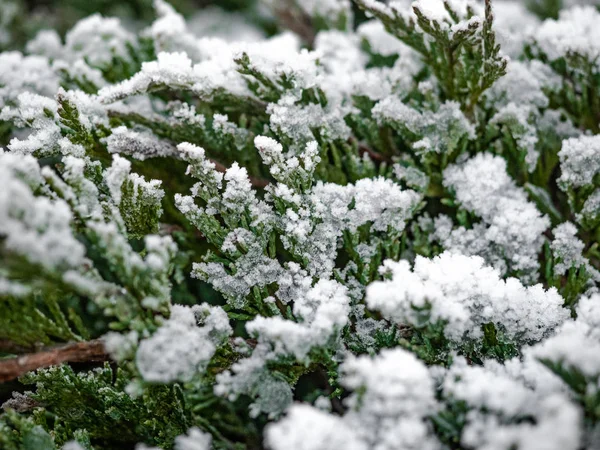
20 20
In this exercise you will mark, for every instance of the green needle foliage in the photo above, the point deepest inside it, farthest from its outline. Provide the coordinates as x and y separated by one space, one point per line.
300 225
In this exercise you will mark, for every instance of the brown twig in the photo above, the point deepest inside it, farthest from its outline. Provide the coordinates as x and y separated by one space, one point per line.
90 351
290 16
375 156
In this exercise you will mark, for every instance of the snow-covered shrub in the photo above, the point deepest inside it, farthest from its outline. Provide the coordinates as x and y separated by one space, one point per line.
301 225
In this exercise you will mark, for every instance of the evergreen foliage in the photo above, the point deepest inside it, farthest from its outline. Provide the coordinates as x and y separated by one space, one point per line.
300 225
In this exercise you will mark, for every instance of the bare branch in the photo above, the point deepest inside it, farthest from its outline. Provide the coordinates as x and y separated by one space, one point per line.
90 351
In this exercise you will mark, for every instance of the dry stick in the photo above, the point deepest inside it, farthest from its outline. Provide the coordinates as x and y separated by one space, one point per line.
90 351
291 17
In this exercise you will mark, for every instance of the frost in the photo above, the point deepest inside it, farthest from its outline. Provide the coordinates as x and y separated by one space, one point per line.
522 85
517 119
35 228
371 200
46 43
98 40
297 122
179 349
567 247
497 399
511 234
323 310
380 41
575 31
307 428
19 74
441 131
378 200
141 145
396 394
464 294
579 161
33 110
172 69
250 376
514 25
195 439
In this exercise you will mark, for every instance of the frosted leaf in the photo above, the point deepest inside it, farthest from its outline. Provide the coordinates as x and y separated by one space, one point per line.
195 439
591 207
121 346
465 294
91 112
394 393
499 401
522 85
297 121
512 225
178 350
412 176
440 131
377 200
139 201
115 176
86 204
249 376
514 25
252 269
19 74
35 228
338 208
324 310
46 43
576 345
223 126
139 144
307 428
32 111
516 118
567 248
217 72
288 168
98 40
380 41
171 69
185 113
575 31
200 168
579 161
238 194
293 283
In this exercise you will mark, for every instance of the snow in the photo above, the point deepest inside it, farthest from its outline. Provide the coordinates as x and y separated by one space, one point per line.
579 161
179 349
511 233
464 294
